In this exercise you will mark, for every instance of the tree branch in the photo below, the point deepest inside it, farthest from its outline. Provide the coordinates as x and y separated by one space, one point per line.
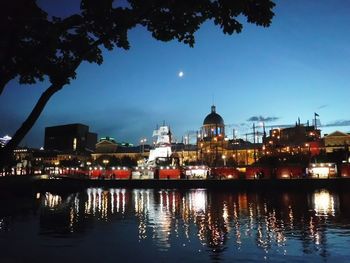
33 116
40 105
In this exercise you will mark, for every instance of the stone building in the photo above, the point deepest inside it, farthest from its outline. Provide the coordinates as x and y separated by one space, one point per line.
336 141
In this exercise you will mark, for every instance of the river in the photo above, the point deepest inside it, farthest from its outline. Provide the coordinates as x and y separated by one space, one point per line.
199 225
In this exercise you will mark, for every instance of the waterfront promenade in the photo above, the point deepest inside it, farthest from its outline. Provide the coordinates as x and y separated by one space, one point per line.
25 184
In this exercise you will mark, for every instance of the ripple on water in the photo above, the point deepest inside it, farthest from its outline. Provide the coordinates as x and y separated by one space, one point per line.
175 225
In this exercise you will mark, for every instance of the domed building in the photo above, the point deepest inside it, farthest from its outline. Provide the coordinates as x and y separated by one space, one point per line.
211 141
215 149
213 126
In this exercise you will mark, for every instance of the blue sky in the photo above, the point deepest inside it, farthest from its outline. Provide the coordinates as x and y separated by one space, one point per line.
297 66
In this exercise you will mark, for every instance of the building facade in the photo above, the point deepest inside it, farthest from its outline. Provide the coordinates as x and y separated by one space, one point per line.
215 149
211 142
70 138
293 140
336 141
106 145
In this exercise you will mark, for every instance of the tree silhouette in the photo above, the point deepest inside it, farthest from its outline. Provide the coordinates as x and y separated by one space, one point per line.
35 46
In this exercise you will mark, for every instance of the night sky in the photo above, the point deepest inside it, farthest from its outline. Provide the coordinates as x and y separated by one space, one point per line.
297 66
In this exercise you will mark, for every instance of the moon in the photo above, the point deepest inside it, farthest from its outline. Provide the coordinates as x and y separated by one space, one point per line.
181 74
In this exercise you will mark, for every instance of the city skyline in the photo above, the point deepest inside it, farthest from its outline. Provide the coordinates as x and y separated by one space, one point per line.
292 69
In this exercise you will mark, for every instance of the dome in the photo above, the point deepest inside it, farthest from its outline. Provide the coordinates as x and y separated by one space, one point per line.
213 118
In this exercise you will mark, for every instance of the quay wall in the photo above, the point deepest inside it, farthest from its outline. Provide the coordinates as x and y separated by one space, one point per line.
25 184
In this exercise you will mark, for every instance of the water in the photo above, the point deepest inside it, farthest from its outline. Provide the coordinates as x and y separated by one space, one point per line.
146 225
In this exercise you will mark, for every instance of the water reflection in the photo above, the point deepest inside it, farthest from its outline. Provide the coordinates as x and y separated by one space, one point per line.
222 225
52 201
324 203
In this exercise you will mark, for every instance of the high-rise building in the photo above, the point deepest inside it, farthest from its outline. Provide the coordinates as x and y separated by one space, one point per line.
70 138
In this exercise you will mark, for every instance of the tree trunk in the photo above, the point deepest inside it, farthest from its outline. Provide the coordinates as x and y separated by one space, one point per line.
6 152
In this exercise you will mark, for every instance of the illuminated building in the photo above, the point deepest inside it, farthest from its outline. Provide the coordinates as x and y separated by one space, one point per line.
336 141
322 170
23 158
106 145
242 152
215 149
293 140
70 138
213 126
211 141
187 153
111 149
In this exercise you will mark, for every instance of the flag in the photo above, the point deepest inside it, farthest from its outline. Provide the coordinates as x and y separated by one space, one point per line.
316 115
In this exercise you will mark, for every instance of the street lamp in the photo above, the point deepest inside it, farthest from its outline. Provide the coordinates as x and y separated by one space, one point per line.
143 141
105 162
89 168
224 158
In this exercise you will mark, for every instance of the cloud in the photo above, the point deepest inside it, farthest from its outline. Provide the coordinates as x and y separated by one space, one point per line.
263 119
323 106
337 123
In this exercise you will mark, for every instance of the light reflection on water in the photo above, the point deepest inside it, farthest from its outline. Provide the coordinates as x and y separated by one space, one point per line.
218 226
324 203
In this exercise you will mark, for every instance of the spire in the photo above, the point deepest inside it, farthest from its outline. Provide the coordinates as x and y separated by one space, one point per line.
264 131
213 109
